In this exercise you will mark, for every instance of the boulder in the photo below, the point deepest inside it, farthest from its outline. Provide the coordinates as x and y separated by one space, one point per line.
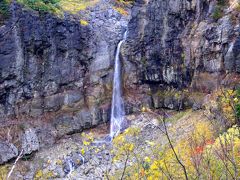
66 124
7 152
30 142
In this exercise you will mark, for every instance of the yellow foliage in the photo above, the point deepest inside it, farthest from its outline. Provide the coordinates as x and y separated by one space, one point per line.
59 162
202 154
86 143
121 10
144 109
228 100
74 6
202 132
228 138
39 174
123 145
49 175
4 172
147 159
124 2
97 150
225 150
82 151
83 22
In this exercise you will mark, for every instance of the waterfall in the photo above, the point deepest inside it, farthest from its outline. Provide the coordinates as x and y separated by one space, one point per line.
117 111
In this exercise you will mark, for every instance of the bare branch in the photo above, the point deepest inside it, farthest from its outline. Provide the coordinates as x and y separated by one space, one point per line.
14 164
175 154
125 165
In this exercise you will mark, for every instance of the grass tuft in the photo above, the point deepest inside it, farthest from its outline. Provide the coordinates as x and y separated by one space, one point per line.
74 6
4 9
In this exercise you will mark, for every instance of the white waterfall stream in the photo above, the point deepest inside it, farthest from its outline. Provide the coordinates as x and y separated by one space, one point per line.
117 110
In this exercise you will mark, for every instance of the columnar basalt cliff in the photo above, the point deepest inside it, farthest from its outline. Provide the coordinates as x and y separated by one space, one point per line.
56 73
180 45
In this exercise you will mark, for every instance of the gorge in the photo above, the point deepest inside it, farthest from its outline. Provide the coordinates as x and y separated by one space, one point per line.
92 66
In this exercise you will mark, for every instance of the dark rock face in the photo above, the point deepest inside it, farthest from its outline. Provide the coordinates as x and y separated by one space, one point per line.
7 152
178 45
56 72
154 42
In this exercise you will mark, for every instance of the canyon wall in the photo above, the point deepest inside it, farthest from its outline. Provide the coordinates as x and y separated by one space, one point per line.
56 73
178 48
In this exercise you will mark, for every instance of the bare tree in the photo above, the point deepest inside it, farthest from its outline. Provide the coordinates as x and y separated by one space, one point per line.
14 164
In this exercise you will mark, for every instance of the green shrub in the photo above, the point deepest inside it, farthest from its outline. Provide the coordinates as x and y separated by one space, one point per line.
41 5
237 105
218 11
4 8
222 2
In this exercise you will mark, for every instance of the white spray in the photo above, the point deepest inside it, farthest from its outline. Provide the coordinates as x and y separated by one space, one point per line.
117 111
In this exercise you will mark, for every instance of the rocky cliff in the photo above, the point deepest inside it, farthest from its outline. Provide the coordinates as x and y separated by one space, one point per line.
56 73
179 46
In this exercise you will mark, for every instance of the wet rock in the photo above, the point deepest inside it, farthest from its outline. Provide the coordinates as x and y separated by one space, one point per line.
68 166
236 51
78 159
7 152
229 59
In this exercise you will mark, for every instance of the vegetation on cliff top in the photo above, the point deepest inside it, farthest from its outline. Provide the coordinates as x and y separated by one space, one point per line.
54 6
74 6
4 9
42 5
59 6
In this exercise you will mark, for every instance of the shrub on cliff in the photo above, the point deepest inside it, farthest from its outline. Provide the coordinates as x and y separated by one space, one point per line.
237 104
219 9
4 7
229 104
218 13
41 5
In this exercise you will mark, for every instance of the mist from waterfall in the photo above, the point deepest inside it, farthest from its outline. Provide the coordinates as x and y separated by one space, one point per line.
117 111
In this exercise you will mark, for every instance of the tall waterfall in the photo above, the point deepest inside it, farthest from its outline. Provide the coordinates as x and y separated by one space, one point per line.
117 113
